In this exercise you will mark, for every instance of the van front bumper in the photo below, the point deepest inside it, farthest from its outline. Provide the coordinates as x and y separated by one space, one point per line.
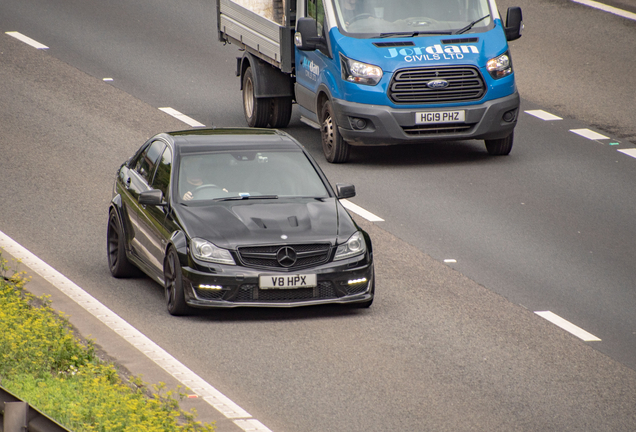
363 124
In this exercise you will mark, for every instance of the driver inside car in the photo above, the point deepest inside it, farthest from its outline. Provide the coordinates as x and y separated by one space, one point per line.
192 177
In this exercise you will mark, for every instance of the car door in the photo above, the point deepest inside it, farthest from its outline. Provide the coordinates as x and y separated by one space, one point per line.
152 219
139 177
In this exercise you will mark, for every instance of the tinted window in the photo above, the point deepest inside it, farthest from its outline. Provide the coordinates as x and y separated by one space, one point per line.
162 176
148 160
232 174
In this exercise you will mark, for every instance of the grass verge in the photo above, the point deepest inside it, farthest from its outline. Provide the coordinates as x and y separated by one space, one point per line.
43 362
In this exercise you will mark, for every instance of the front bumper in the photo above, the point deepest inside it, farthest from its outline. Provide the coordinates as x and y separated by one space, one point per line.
235 286
385 125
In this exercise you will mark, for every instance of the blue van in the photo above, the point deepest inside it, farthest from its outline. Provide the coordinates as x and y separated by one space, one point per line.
378 72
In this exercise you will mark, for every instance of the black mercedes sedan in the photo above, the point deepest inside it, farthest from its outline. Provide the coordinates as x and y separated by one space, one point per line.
236 217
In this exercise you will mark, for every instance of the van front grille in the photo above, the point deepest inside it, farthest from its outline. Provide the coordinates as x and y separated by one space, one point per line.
410 86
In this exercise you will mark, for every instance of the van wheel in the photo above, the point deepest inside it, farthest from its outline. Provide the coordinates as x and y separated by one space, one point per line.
335 148
256 109
500 147
280 112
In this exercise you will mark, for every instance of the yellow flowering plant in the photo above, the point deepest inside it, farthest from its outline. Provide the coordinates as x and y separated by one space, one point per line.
45 363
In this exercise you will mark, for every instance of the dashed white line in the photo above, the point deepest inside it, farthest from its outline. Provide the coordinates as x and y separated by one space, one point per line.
543 115
360 211
568 326
629 152
606 8
137 339
184 118
27 40
589 134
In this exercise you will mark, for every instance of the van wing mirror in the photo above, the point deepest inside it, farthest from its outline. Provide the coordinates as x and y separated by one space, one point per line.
306 37
345 190
514 23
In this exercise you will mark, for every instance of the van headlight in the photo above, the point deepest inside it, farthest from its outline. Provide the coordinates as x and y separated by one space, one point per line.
206 251
500 67
360 73
354 246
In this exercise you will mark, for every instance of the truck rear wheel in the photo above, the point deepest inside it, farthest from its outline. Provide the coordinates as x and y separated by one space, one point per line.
500 147
257 110
280 112
335 148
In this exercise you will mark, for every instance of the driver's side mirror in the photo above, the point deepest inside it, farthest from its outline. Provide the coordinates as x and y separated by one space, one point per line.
306 37
345 190
152 197
514 23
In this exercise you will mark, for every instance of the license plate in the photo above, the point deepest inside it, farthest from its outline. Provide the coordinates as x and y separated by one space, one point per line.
287 281
428 117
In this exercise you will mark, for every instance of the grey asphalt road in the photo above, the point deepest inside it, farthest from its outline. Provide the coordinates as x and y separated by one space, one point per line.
548 227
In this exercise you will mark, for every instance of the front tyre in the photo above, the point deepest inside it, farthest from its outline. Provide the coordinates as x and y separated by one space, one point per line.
256 110
173 282
500 147
334 147
118 263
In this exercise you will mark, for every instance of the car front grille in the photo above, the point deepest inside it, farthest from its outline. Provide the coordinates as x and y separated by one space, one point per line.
252 293
409 86
307 255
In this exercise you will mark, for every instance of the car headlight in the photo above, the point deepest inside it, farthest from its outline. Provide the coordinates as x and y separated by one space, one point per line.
354 246
206 251
360 73
500 67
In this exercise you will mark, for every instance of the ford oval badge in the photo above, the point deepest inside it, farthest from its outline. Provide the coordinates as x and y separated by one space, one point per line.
437 84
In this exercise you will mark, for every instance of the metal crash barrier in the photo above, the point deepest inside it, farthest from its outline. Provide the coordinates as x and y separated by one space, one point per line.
18 416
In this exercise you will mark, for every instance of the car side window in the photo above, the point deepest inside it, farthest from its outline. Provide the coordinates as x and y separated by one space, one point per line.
162 176
148 159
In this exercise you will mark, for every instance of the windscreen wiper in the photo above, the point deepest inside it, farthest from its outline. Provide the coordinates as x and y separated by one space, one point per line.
413 34
469 26
245 197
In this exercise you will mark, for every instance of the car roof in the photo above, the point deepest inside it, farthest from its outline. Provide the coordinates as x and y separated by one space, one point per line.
219 139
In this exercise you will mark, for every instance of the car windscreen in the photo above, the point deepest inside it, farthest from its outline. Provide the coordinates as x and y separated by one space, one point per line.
247 174
387 18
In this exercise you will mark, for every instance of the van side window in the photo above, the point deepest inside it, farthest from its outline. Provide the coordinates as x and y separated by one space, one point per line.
316 10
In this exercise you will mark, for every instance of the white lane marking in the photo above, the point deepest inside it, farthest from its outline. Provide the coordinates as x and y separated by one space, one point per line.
360 211
568 326
629 152
450 260
251 425
137 339
589 134
606 8
184 118
26 40
107 79
543 115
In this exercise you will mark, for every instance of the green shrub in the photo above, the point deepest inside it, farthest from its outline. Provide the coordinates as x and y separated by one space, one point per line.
44 363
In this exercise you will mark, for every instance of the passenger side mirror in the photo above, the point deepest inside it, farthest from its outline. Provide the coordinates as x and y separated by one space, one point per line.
514 23
306 37
345 190
152 197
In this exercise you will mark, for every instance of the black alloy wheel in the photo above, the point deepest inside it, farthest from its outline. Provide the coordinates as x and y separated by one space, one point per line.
118 263
173 283
334 147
